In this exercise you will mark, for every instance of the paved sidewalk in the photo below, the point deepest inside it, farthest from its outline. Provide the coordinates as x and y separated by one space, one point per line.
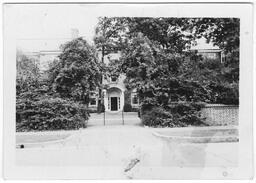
133 150
213 134
114 118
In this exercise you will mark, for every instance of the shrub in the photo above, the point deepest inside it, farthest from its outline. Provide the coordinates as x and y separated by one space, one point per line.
224 94
157 117
188 113
183 108
37 112
229 95
127 108
92 110
175 115
135 109
27 75
100 108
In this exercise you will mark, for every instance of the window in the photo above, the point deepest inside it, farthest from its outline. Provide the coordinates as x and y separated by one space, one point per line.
92 101
194 43
222 57
134 99
114 78
209 55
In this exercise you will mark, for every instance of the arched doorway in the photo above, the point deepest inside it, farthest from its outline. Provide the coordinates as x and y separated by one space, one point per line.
114 99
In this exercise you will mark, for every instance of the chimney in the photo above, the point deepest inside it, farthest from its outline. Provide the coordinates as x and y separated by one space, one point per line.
74 33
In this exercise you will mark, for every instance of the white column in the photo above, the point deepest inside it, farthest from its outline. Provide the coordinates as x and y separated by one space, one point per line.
121 100
105 99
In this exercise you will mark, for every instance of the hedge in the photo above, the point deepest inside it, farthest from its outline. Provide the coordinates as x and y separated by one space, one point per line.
176 115
36 112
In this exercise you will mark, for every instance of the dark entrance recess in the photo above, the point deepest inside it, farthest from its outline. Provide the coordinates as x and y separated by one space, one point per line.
113 103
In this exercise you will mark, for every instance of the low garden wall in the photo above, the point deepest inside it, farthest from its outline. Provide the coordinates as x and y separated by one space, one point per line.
219 114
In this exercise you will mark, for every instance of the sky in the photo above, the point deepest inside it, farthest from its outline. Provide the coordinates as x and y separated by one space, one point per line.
45 27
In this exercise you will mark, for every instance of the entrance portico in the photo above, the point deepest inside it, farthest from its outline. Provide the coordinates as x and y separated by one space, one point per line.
114 99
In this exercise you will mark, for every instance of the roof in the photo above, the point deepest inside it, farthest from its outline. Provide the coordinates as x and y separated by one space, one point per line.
53 46
201 44
209 51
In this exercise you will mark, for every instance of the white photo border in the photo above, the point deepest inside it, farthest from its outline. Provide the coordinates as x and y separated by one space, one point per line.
244 11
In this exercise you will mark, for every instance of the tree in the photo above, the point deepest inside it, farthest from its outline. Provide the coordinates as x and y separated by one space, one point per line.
110 35
79 71
157 74
171 38
223 32
171 34
157 62
27 72
108 39
38 107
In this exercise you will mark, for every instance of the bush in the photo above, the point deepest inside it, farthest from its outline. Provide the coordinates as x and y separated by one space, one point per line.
224 94
175 115
37 112
157 117
127 108
188 113
135 109
92 110
100 108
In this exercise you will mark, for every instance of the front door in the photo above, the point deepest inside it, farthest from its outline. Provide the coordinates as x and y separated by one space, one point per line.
113 103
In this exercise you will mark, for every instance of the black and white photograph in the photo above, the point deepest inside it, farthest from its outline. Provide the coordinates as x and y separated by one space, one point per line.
128 91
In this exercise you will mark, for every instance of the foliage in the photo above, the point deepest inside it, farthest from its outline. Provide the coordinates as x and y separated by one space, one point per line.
158 117
187 113
53 71
27 72
157 46
158 76
180 114
110 34
170 33
78 71
224 94
108 38
58 103
101 108
40 110
127 108
223 32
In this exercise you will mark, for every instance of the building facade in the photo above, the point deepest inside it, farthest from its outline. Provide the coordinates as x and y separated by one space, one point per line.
116 95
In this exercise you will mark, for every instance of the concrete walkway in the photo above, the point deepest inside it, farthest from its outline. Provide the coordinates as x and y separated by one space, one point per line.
132 151
114 118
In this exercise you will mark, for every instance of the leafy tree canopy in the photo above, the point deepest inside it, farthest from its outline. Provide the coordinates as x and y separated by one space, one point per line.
27 72
157 48
223 32
157 74
116 32
78 71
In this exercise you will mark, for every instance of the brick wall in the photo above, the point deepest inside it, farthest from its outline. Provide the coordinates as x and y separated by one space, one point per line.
218 114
